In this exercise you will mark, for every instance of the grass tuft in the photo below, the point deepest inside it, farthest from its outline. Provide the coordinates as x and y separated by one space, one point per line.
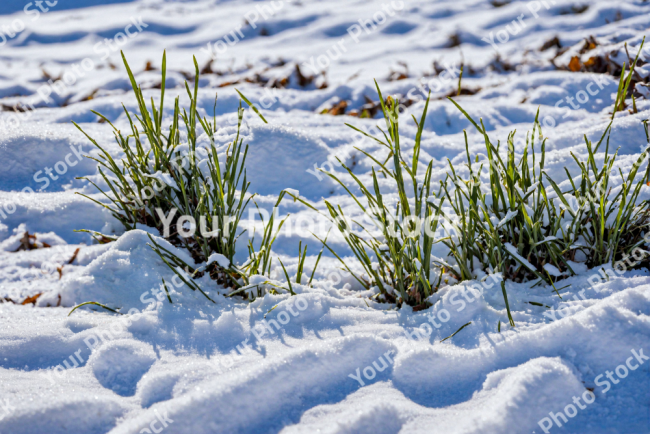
164 176
505 215
510 216
499 213
397 259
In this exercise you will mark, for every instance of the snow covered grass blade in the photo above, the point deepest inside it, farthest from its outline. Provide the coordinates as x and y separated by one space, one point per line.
522 224
624 84
164 177
397 261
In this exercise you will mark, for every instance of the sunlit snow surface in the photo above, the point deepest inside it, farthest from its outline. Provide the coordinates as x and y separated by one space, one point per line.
201 364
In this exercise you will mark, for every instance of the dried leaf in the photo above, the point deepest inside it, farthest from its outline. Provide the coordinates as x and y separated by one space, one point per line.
574 64
337 110
555 42
590 62
32 299
74 256
28 242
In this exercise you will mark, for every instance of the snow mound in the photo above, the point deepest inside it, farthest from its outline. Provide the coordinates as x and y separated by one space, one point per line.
110 279
120 365
78 415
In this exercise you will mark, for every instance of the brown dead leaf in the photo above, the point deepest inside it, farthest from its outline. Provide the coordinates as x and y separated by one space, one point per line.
228 83
105 240
16 108
49 76
32 299
590 62
29 242
454 40
400 74
74 255
555 42
25 242
590 44
303 80
574 64
207 69
337 110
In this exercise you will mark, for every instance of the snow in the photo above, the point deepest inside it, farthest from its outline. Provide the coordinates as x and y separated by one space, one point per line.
220 259
297 364
552 270
515 254
509 216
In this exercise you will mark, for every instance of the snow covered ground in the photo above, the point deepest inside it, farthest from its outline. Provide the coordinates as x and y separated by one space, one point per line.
328 360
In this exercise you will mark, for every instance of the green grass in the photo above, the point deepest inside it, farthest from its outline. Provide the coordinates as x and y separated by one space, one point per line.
216 198
398 261
522 220
501 212
624 84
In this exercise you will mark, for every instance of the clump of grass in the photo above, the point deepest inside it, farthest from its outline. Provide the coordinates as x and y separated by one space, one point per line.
511 217
505 216
208 185
397 259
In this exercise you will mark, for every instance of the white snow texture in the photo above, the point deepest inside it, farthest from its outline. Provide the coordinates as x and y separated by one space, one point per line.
328 360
